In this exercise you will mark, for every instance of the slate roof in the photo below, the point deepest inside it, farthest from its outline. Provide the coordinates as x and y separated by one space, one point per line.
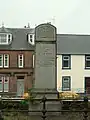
66 43
73 44
19 41
4 30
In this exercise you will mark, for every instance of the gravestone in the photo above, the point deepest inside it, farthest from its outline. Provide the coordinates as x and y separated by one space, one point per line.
45 66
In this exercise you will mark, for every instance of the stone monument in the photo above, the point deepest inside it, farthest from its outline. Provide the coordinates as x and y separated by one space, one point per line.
45 57
46 65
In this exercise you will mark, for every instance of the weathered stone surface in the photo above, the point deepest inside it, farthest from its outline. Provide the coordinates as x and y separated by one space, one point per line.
45 57
45 32
45 68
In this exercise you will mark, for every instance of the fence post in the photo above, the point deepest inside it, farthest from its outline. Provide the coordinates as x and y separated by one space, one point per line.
86 108
1 106
1 117
44 107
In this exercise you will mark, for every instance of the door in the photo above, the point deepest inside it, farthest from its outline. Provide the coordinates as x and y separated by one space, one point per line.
87 85
20 87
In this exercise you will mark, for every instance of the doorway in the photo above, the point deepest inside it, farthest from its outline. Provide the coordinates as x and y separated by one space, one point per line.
20 86
87 85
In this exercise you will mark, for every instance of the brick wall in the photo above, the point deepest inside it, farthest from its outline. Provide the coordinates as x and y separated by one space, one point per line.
13 68
13 56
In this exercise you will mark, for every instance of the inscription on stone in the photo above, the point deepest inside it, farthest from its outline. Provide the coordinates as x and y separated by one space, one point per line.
46 31
46 57
45 62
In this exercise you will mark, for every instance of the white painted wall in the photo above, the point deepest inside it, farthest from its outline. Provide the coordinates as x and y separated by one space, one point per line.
77 73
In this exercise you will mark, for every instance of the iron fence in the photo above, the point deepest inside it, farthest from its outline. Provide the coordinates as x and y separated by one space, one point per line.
24 113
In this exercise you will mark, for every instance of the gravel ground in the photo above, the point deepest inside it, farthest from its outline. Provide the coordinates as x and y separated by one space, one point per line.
64 116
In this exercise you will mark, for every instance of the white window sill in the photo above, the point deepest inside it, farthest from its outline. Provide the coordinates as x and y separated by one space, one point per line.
6 66
87 67
21 67
4 43
1 66
65 67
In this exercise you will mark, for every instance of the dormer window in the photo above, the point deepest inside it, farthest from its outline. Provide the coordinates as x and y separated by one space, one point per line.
31 39
9 37
5 38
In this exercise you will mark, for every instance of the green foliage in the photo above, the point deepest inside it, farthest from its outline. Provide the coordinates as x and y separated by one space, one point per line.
31 95
10 109
24 102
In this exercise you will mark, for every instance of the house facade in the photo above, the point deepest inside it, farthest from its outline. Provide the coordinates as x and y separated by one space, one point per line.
73 63
16 60
17 47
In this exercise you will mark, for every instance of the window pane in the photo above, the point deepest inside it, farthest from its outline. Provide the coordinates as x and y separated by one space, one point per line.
87 57
9 38
0 81
6 80
5 87
20 60
6 84
65 64
66 57
30 36
20 57
6 60
87 63
66 61
3 38
1 87
31 39
66 83
1 60
1 84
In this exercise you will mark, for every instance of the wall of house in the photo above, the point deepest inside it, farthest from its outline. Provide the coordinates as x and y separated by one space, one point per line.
77 73
13 82
13 71
13 58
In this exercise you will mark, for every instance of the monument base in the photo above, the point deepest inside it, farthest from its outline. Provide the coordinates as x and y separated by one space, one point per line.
49 105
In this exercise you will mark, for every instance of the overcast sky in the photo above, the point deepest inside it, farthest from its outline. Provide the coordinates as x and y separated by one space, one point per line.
71 16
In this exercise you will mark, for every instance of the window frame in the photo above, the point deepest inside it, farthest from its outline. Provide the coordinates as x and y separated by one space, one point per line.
10 37
33 61
63 88
2 61
4 78
69 61
33 41
6 66
19 61
7 38
86 61
1 77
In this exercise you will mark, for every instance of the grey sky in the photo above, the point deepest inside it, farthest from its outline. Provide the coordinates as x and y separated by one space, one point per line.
71 16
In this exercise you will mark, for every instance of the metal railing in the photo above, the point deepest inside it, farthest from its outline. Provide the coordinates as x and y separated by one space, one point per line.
44 110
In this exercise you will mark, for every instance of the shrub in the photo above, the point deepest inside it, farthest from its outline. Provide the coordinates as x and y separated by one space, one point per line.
68 95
